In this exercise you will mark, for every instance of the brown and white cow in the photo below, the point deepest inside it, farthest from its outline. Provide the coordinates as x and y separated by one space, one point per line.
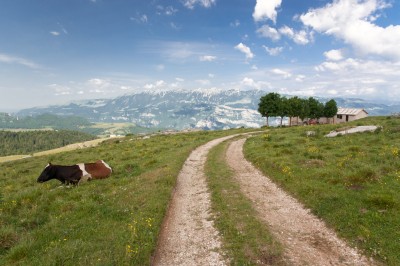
77 173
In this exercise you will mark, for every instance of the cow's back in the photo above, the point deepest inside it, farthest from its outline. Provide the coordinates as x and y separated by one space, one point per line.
98 170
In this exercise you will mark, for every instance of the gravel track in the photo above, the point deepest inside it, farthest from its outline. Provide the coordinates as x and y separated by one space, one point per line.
188 236
306 239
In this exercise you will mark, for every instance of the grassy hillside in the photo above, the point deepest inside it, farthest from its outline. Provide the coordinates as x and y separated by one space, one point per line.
114 221
13 143
351 181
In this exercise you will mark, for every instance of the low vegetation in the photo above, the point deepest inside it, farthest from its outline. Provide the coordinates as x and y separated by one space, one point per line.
114 221
351 181
14 143
245 238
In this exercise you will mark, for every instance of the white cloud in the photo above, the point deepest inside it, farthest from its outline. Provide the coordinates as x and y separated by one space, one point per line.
352 21
273 51
179 79
60 90
156 85
210 75
334 55
235 24
170 10
207 58
245 49
250 83
205 3
54 33
299 37
280 72
18 60
140 18
266 9
269 32
300 78
96 82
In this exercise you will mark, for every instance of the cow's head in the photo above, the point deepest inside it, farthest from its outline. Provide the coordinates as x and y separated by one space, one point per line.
46 174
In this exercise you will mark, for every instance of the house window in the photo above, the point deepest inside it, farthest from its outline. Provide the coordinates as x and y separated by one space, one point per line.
339 116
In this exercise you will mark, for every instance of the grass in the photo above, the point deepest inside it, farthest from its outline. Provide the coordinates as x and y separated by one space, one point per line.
245 238
115 221
352 181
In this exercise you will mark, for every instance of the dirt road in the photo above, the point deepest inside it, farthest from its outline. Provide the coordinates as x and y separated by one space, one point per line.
306 239
189 236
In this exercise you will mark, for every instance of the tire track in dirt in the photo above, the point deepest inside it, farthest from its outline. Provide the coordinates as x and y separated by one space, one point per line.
306 239
188 235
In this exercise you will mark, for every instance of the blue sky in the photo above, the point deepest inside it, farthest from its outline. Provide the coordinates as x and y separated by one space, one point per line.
56 51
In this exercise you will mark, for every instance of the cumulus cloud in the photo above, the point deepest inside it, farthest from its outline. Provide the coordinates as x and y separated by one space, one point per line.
334 55
282 73
204 3
266 9
269 32
156 85
207 58
245 49
18 60
273 51
353 22
299 37
251 83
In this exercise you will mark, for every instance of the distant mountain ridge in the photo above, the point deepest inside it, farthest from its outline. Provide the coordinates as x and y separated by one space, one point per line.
182 109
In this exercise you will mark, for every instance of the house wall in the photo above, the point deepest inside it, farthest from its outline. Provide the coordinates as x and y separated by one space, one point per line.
336 119
348 118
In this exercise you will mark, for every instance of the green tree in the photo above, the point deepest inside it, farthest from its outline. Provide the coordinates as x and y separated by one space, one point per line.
283 110
294 108
269 105
304 111
330 109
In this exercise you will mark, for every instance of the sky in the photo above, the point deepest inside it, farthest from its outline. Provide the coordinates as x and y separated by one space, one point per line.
58 51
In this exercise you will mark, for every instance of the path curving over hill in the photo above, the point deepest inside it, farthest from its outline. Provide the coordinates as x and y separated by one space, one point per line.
306 239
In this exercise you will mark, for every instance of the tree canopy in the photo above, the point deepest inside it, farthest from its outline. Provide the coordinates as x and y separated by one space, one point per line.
274 105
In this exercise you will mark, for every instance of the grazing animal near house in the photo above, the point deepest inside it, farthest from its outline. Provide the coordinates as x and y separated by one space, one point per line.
75 174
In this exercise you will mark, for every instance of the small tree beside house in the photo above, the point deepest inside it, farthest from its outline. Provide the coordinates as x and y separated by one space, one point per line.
330 110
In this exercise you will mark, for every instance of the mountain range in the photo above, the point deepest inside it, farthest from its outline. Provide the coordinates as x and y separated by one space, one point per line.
183 109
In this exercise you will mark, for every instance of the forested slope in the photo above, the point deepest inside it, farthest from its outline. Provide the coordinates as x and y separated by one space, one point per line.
33 141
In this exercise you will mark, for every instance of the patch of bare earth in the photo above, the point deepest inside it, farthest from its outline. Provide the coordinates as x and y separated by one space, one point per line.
306 239
188 236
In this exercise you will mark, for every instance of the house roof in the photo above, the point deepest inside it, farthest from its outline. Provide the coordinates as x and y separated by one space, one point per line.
349 111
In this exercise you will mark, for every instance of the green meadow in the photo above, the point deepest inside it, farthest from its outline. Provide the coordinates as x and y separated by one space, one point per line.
352 182
114 221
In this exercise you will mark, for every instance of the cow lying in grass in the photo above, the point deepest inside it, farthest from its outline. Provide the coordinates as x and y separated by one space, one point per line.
74 174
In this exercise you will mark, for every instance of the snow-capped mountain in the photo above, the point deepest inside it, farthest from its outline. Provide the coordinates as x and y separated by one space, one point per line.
181 109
